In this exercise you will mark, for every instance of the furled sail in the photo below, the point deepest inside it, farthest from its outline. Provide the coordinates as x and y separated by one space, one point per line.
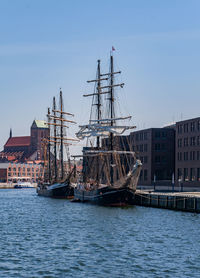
100 130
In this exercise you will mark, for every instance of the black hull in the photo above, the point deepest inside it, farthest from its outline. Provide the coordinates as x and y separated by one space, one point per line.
106 196
60 192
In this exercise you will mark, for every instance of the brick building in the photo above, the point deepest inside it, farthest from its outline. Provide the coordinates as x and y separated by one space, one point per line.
25 148
188 152
155 147
12 172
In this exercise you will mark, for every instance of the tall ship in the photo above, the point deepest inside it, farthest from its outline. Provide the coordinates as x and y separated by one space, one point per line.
59 174
110 172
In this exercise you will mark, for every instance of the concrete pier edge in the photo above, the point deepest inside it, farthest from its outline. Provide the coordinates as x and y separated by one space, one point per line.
182 201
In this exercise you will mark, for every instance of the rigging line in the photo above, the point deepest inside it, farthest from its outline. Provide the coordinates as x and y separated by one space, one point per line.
91 109
124 147
107 170
120 167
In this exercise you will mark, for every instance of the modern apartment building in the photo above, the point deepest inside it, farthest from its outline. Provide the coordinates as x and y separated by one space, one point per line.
188 152
155 147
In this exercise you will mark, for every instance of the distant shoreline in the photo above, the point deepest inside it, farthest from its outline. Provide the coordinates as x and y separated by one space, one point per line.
12 185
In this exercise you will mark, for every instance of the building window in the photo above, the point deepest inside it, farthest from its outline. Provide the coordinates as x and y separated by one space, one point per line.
192 174
192 155
145 159
137 137
163 147
179 174
141 148
198 174
145 175
198 125
141 136
179 143
157 135
157 147
185 127
192 126
164 134
157 159
180 127
185 155
145 147
185 175
145 135
185 142
198 155
198 140
192 141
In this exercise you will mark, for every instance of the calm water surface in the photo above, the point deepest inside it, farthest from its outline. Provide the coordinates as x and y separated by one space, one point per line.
43 237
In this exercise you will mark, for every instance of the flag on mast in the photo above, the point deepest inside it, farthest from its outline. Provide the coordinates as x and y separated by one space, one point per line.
113 49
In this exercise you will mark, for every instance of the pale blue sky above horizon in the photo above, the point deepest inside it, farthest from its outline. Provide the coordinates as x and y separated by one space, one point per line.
48 44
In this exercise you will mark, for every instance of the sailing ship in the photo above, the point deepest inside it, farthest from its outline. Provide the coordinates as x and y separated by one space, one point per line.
58 176
106 179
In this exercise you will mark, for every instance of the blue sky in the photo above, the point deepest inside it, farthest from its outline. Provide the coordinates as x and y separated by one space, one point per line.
48 44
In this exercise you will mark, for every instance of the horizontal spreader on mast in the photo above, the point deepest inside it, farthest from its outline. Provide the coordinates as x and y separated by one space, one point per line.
62 112
102 93
95 94
111 86
61 119
97 80
104 74
58 143
70 139
57 125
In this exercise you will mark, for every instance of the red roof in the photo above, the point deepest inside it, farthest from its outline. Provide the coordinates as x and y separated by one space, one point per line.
18 141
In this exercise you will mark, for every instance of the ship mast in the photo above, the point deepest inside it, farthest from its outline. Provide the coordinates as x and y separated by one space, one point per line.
55 138
61 135
98 98
98 104
98 111
111 115
49 146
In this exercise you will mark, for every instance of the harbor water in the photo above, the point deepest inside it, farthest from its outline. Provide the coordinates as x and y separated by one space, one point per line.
43 237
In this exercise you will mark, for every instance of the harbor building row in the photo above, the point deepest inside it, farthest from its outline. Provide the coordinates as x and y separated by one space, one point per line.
14 172
169 155
22 157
